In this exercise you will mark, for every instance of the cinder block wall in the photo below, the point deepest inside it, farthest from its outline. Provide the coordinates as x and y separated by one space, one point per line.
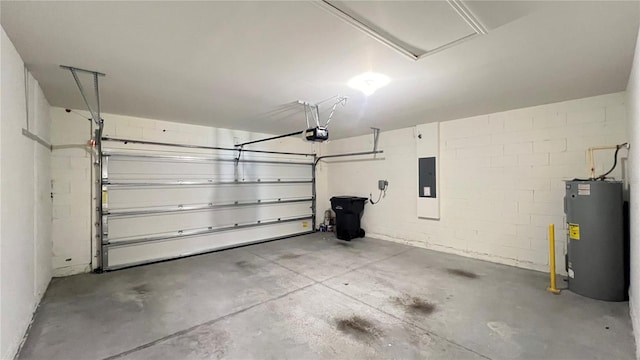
501 178
25 209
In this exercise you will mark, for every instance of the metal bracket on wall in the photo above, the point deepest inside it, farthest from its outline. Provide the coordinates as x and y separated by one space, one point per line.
376 134
95 113
37 139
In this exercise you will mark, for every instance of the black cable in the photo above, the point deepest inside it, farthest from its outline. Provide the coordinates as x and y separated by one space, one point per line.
383 193
615 162
371 199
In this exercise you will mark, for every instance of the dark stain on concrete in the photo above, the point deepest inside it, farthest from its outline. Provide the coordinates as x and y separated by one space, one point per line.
421 306
289 256
141 289
135 296
358 327
343 243
415 304
243 264
463 273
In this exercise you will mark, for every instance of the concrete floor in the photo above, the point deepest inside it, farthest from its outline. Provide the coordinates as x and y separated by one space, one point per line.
317 297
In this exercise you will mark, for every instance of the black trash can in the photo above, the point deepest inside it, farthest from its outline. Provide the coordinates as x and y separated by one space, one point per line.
348 211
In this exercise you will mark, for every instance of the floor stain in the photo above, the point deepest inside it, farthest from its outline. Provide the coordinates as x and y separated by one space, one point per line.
357 326
289 256
136 295
343 243
415 304
141 289
203 343
463 273
243 264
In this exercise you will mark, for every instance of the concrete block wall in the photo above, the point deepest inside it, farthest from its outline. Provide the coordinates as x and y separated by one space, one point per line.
71 173
25 209
73 178
501 178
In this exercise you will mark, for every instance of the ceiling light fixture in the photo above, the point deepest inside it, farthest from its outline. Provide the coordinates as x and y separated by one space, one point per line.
369 82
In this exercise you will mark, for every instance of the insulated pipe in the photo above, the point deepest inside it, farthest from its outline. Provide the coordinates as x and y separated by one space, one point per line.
552 261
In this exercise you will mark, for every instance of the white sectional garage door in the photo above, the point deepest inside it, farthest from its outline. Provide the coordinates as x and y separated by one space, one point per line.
159 203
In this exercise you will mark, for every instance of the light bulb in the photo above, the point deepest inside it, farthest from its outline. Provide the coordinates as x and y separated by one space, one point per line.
369 82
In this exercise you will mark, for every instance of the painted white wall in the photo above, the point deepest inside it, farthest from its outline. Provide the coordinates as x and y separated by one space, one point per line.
25 209
72 173
633 118
501 178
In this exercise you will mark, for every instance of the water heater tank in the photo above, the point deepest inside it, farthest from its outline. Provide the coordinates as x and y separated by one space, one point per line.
596 250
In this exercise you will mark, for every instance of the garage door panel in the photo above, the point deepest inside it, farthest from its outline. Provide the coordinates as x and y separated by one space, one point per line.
144 169
142 253
136 226
158 205
274 171
224 194
131 169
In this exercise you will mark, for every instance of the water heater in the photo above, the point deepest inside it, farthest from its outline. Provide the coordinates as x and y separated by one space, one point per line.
596 252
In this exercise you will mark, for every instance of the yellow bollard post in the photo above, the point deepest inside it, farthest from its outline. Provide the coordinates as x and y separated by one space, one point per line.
552 260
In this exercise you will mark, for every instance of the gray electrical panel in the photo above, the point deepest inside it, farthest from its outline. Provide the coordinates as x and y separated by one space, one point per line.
596 247
427 177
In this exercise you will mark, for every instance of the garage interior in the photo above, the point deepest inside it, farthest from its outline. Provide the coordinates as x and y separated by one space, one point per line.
319 179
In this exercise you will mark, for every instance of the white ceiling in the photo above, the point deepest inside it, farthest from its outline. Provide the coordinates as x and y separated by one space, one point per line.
243 65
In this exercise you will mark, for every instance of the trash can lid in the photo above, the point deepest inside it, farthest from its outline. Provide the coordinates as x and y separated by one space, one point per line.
349 198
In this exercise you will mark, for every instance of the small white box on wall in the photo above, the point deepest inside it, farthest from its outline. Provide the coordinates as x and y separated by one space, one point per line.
428 191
